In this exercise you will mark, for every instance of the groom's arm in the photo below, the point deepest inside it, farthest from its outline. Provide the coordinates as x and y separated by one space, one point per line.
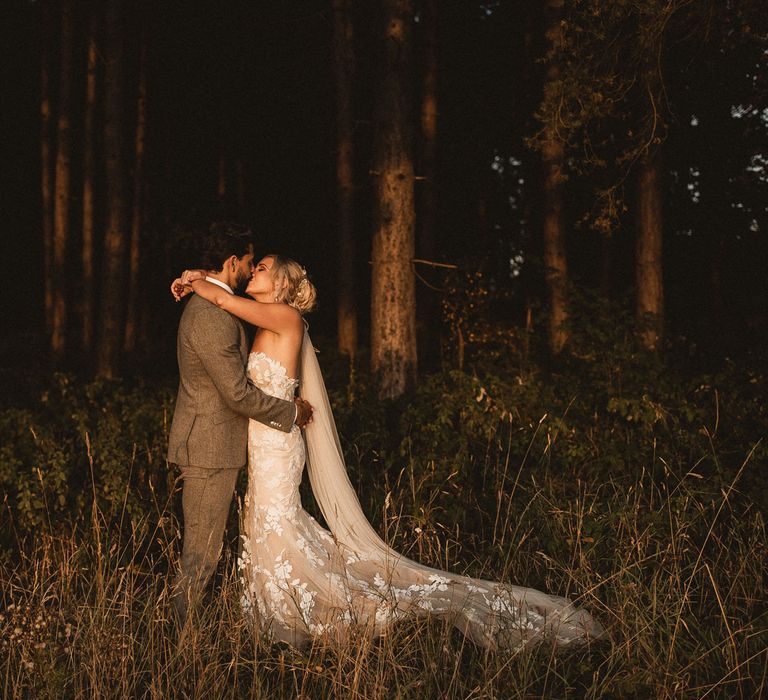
217 345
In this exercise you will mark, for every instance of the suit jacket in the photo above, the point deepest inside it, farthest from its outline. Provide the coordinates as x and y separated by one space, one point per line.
216 398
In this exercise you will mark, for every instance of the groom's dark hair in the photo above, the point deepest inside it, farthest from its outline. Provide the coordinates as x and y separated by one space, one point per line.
224 239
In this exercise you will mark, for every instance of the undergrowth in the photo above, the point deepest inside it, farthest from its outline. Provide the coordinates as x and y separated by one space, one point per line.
622 480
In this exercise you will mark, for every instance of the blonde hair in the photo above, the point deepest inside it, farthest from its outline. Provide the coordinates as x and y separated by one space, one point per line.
299 293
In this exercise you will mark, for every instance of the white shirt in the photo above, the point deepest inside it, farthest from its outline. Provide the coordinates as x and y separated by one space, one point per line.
224 285
221 284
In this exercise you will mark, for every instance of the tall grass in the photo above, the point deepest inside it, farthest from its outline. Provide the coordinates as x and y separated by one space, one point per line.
674 570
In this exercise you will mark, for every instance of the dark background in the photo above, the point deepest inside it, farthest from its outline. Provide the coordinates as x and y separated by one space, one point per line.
254 80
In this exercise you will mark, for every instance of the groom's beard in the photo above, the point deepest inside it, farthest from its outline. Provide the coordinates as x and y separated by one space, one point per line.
241 282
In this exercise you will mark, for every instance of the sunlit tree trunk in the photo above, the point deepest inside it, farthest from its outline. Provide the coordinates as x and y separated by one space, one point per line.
393 318
648 252
429 131
115 238
46 162
555 261
648 242
137 210
62 185
89 166
428 309
343 65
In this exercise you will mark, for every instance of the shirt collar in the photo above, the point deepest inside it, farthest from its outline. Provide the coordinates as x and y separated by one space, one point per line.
221 284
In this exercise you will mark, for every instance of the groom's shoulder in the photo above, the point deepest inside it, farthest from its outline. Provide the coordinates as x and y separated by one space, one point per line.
197 305
199 310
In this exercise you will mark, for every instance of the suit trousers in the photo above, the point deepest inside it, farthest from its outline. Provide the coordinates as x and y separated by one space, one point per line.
206 496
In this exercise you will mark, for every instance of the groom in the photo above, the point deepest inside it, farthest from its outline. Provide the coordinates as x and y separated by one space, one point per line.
209 433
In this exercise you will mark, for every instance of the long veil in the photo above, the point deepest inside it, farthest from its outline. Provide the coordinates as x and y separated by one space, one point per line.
327 471
491 613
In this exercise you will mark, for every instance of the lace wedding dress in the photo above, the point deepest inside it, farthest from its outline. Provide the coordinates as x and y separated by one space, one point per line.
301 581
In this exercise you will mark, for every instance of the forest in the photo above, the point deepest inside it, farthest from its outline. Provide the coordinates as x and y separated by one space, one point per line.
538 231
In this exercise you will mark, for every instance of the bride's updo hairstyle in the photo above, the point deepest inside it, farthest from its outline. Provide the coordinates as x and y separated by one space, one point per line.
299 292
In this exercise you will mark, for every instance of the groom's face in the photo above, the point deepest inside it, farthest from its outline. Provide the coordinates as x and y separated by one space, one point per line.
243 270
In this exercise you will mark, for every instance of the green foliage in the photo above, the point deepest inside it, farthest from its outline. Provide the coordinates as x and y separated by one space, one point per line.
99 443
609 410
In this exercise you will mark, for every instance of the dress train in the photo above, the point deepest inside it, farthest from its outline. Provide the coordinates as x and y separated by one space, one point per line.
301 581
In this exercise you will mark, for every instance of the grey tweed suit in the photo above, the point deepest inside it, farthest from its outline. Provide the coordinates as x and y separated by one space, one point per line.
209 434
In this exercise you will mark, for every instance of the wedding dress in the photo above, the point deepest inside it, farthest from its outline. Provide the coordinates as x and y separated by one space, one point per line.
301 581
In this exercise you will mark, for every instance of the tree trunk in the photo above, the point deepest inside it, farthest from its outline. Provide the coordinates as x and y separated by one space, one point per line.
427 306
429 132
113 283
62 186
89 167
137 211
344 65
648 242
393 319
648 252
46 163
555 261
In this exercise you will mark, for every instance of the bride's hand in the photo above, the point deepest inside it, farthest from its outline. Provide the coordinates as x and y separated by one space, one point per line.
189 276
178 289
181 286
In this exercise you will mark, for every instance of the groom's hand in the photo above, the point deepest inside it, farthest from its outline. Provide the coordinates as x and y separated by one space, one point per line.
303 412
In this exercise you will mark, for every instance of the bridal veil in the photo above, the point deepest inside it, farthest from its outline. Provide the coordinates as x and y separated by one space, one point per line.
492 614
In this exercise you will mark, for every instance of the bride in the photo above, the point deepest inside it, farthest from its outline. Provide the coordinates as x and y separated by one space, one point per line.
301 581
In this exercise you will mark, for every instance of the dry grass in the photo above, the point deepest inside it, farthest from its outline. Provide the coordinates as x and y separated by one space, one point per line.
678 578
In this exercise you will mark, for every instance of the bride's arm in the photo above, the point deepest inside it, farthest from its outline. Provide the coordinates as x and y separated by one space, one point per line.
278 318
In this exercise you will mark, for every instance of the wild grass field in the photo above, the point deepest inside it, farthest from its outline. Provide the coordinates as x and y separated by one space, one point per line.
643 501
